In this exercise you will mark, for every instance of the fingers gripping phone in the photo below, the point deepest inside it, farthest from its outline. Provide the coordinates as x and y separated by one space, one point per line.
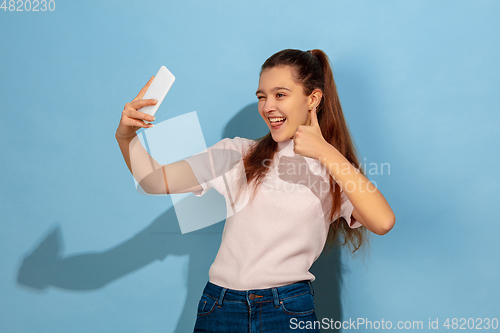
158 90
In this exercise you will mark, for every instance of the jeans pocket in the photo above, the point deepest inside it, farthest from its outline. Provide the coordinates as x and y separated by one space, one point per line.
206 305
298 305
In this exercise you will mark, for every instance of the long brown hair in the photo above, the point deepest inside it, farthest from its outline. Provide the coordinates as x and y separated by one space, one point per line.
312 70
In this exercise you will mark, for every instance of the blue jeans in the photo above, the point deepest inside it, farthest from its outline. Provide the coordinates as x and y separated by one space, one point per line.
280 309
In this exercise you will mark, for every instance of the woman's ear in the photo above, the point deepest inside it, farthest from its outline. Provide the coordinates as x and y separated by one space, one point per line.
315 98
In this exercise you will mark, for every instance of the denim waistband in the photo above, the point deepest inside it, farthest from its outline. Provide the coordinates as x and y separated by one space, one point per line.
273 294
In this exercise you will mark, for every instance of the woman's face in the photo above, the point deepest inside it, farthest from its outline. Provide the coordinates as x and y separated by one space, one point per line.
280 97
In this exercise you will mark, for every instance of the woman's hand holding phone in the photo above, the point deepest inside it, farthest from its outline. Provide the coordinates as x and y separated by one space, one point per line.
132 119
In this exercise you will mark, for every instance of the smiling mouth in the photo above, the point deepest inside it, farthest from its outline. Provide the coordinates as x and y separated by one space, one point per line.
276 121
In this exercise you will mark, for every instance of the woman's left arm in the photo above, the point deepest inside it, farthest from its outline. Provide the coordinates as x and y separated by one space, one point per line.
370 207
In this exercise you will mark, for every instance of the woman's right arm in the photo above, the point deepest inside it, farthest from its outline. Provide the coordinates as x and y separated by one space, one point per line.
154 178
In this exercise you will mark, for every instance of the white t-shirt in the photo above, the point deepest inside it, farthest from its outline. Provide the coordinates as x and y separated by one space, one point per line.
274 240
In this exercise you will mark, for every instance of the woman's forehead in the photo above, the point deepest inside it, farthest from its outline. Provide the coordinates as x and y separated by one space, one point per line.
281 76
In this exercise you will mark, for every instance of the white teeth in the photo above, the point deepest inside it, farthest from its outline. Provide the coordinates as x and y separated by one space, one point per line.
273 120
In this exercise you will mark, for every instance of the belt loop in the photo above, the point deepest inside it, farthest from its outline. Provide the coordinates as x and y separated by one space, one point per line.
311 287
276 298
221 297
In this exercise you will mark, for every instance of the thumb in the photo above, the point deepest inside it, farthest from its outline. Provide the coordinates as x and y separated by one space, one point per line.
144 89
314 118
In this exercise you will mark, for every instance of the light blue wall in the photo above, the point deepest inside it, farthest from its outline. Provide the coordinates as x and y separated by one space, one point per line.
419 84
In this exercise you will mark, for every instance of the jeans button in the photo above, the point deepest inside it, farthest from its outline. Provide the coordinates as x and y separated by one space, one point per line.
251 296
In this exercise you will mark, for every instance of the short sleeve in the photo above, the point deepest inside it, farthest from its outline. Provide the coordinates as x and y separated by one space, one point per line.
214 162
346 209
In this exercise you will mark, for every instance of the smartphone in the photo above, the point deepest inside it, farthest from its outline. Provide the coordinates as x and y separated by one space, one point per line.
158 90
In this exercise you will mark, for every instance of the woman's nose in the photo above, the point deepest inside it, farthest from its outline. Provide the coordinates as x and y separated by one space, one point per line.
268 107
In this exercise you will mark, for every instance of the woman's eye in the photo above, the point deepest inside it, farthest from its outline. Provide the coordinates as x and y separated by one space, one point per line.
259 97
280 95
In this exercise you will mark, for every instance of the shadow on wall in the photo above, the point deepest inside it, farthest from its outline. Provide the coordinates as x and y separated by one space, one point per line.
46 266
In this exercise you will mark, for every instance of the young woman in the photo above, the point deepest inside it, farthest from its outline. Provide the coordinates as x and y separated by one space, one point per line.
289 193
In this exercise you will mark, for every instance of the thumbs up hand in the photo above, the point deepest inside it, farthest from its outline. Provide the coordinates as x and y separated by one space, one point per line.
308 140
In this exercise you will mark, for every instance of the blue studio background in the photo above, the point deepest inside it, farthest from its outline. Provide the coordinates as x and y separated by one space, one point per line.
81 250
